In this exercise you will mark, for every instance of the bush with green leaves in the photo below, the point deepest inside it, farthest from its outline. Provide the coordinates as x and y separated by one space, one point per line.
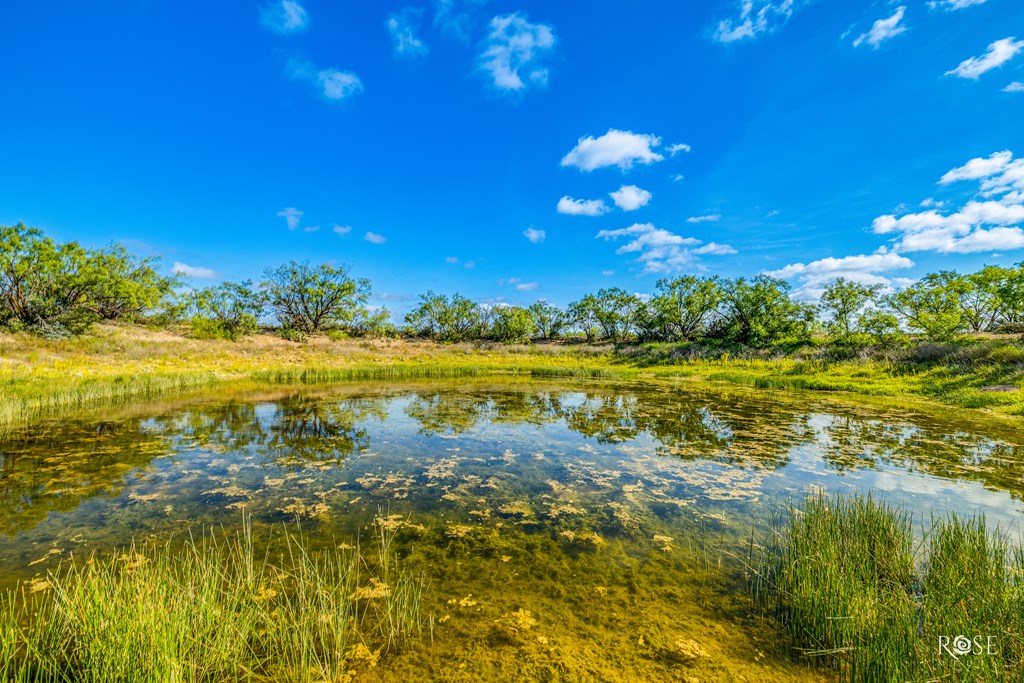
227 311
760 313
548 320
439 317
512 324
314 298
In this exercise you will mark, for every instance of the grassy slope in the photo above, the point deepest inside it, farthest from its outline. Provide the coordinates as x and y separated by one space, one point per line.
114 364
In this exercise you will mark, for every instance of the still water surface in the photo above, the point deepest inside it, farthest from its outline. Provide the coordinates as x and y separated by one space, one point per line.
609 521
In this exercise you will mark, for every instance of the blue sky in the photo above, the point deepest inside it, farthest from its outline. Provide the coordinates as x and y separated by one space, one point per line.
521 150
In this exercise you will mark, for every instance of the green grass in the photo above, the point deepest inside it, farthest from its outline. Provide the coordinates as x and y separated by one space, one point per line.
213 609
851 585
117 364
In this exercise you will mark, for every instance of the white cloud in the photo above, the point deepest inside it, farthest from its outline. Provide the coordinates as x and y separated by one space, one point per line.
527 286
815 276
374 238
292 216
470 264
990 222
930 202
882 30
661 251
451 259
194 272
403 27
754 18
678 178
607 273
342 229
1016 86
998 53
679 147
582 207
333 84
709 218
954 4
534 235
615 148
311 228
514 52
454 18
286 16
630 197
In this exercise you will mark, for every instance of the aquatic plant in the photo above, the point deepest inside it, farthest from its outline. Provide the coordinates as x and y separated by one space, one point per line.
843 577
209 609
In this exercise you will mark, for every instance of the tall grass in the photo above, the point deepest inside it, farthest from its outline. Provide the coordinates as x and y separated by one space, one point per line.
212 609
844 578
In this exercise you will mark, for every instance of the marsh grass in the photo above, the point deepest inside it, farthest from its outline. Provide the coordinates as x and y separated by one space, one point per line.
851 585
211 609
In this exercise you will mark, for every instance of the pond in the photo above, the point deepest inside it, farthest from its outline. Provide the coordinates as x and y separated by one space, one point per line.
565 531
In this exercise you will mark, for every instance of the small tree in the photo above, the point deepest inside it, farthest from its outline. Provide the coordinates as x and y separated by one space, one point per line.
512 324
228 310
311 299
616 312
844 302
125 286
682 309
933 306
437 316
548 319
583 316
760 312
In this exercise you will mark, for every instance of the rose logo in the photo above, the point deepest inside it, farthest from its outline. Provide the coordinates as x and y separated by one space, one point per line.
961 645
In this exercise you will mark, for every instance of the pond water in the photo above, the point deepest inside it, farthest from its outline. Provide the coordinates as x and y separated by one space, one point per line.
607 523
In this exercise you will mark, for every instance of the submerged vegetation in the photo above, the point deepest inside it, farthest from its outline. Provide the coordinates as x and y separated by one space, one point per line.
211 609
856 587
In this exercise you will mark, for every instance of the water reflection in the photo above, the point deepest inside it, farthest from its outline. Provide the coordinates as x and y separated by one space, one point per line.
55 470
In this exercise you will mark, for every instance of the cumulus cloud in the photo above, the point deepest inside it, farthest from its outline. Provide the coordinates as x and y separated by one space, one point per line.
1016 86
582 207
659 250
954 4
997 54
342 229
451 259
989 222
620 148
454 18
194 272
333 84
709 218
403 27
534 235
815 276
630 197
514 53
882 30
374 238
679 147
291 215
286 16
527 286
754 18
311 228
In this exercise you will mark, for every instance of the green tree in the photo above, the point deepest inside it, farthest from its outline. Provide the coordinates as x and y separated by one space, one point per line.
512 324
548 319
229 310
1011 296
314 298
844 302
124 286
932 305
760 312
583 316
682 309
456 319
45 286
616 311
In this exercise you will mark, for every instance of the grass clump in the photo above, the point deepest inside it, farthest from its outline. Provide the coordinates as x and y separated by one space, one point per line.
211 610
844 578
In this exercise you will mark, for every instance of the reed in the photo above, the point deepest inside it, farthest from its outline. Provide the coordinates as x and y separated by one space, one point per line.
211 609
846 579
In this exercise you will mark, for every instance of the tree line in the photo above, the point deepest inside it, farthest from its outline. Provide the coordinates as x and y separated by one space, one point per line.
59 290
